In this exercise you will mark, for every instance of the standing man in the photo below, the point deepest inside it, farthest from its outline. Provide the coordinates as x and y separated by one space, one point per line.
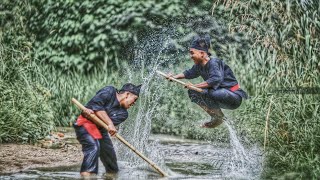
220 87
111 107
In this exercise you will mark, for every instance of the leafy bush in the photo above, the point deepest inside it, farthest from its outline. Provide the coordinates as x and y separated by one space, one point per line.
81 35
25 115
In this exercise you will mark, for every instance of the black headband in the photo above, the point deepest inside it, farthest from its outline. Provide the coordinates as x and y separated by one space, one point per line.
131 88
201 43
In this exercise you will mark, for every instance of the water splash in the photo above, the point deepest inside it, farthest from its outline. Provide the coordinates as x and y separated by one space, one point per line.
138 130
239 162
242 163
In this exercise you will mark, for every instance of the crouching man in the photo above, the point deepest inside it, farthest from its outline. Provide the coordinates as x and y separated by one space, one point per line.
220 86
110 105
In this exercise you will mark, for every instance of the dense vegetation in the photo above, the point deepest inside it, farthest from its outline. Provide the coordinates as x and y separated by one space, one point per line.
52 51
284 56
25 114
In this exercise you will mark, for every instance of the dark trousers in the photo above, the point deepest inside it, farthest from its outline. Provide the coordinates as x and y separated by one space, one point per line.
93 149
215 99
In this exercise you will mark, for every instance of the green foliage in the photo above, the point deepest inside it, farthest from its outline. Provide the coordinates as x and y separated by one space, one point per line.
284 55
25 115
85 34
63 87
81 35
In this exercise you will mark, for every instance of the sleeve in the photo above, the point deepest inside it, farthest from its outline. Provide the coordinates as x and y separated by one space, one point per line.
120 117
215 75
98 102
191 73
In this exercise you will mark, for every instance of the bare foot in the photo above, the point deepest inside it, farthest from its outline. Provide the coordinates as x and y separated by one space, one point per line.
110 176
86 175
213 123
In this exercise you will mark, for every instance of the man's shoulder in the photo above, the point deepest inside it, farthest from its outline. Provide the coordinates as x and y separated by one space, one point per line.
194 67
215 59
111 88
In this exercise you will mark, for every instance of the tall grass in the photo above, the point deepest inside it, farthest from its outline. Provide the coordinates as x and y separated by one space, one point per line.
284 55
24 114
64 86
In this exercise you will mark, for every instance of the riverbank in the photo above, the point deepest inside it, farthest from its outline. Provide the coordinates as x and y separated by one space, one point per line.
20 157
178 157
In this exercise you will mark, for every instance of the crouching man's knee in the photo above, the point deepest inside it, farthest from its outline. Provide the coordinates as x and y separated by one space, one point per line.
197 96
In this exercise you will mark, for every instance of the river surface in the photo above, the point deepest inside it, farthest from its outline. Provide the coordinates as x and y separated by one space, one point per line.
183 159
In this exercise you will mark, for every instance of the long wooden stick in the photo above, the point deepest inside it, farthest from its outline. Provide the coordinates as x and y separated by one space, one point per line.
180 82
99 122
267 126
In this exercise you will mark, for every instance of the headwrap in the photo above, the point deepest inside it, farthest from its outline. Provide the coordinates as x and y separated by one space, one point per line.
201 43
131 88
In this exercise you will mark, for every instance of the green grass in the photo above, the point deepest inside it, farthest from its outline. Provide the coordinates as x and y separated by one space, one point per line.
284 56
25 115
62 87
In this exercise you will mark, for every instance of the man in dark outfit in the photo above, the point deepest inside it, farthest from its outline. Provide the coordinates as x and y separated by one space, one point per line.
111 107
220 87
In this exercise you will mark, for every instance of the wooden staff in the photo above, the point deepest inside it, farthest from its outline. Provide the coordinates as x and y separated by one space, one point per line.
99 122
180 82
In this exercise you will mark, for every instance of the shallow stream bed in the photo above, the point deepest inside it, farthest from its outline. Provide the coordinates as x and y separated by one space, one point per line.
183 159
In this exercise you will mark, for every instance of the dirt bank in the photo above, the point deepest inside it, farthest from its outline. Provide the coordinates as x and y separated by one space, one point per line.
19 157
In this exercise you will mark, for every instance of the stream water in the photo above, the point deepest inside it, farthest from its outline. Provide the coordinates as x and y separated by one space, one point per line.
183 159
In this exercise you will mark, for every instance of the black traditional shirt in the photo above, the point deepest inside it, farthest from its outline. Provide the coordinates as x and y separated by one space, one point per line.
216 73
106 100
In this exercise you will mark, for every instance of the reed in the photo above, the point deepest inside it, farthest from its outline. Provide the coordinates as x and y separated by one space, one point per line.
284 55
25 115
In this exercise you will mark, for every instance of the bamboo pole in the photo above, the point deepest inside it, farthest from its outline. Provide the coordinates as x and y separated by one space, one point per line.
99 122
267 126
180 82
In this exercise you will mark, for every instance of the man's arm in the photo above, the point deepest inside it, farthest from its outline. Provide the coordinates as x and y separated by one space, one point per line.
187 74
202 85
106 119
215 75
179 76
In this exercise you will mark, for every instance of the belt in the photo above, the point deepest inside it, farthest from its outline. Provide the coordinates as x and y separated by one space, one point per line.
91 128
235 87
